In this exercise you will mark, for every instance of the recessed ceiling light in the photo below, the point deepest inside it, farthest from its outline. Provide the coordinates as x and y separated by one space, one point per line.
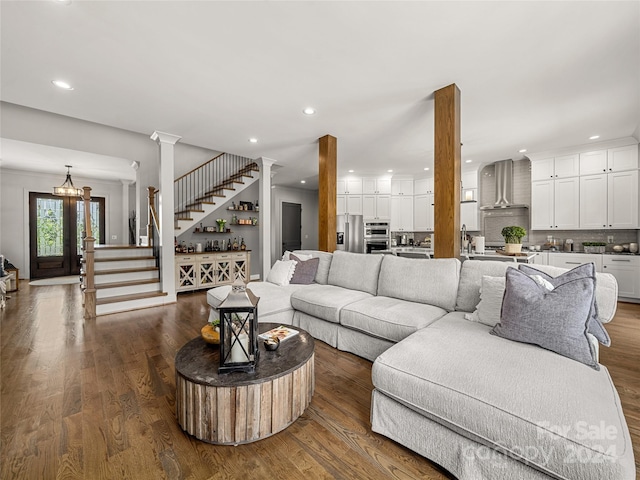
351 171
389 171
468 161
309 111
62 84
522 150
253 140
426 169
594 137
303 181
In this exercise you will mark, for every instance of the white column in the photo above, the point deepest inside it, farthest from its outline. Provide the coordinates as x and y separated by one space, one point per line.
166 143
264 197
136 166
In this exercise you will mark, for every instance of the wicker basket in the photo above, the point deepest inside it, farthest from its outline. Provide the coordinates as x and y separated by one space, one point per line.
511 248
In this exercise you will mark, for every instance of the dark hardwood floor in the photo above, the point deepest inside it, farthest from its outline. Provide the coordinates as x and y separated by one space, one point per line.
96 400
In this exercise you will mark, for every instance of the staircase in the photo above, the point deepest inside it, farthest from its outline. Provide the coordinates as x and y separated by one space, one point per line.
118 278
202 191
126 278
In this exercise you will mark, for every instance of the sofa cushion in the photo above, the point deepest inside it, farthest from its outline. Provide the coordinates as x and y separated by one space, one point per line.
322 275
425 281
325 301
355 271
273 298
305 272
471 280
519 399
557 319
389 318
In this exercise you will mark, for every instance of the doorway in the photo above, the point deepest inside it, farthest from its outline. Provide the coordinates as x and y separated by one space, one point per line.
56 230
291 226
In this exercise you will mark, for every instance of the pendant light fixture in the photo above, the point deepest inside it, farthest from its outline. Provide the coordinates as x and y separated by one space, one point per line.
67 189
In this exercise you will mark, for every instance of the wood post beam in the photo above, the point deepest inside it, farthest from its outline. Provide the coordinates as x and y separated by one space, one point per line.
447 172
89 290
328 161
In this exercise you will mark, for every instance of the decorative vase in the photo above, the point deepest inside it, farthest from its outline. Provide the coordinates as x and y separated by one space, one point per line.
512 248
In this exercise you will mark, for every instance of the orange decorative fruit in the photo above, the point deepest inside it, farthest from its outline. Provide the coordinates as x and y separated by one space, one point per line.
209 334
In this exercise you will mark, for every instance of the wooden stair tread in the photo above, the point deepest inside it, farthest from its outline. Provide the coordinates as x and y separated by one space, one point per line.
129 283
125 270
122 259
126 298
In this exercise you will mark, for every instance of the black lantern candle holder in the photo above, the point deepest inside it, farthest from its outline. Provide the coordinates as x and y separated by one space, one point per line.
239 330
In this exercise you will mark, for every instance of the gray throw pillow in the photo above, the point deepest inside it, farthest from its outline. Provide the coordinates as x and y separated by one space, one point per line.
596 328
305 271
555 320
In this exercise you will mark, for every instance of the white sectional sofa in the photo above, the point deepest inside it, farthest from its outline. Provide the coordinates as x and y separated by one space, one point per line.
481 406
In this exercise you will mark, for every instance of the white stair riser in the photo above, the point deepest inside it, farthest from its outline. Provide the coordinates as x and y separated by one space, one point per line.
127 290
197 217
117 265
130 305
123 252
124 277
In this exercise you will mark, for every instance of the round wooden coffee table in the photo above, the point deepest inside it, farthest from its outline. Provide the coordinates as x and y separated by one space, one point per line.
238 407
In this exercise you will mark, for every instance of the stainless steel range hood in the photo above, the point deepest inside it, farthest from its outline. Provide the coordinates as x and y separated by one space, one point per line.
504 187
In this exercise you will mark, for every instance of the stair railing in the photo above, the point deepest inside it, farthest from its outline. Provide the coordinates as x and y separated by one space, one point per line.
88 253
207 181
153 223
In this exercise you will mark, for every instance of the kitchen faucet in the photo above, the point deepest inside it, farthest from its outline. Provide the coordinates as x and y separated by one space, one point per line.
464 236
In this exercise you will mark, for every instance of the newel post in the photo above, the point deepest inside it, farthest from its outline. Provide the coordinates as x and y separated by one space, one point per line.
89 249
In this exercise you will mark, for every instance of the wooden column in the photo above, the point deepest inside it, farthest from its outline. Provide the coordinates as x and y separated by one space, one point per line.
328 160
447 172
88 254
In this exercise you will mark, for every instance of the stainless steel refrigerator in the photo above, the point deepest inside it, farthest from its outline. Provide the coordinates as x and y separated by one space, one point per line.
350 233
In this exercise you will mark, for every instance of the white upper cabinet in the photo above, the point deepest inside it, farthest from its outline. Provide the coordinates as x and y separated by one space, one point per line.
402 213
622 158
401 187
558 167
469 216
593 162
423 218
372 185
376 206
423 186
349 186
593 201
623 199
566 204
470 179
617 159
542 203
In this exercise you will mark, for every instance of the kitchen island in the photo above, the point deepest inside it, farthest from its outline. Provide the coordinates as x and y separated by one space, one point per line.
421 252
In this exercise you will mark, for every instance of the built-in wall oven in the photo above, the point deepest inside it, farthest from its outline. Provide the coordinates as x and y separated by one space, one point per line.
377 235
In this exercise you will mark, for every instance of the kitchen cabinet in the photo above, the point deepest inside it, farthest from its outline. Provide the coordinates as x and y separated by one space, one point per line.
572 260
555 204
349 186
556 167
381 186
540 258
609 200
622 158
470 179
469 215
617 159
626 269
423 186
205 270
401 213
376 206
622 195
401 186
423 216
351 204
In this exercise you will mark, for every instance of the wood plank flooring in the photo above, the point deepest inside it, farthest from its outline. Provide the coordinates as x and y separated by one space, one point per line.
96 400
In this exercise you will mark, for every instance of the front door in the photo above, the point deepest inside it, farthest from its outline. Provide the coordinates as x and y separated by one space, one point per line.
56 229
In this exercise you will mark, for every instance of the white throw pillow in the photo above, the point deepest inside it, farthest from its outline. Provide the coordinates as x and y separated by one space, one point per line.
302 256
491 293
281 272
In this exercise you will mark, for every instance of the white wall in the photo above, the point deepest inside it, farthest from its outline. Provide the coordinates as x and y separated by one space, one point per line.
15 186
309 201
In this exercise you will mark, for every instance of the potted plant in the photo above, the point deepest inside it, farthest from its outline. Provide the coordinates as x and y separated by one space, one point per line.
513 239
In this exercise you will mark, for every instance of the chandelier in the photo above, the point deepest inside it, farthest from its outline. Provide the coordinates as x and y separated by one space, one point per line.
67 189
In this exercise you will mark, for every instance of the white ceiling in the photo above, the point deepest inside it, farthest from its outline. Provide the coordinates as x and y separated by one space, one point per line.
535 75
